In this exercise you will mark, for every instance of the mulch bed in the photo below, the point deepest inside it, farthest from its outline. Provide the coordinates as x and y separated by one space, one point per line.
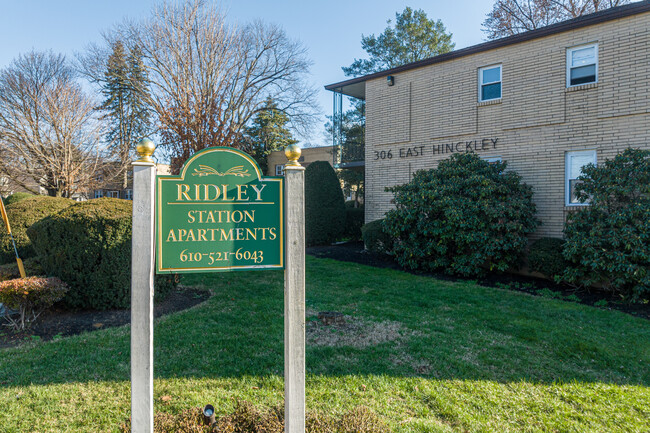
60 323
355 252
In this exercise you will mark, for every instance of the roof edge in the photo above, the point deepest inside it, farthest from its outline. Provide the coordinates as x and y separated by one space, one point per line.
563 26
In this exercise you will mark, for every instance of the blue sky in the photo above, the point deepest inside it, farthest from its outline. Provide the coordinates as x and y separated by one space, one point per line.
331 30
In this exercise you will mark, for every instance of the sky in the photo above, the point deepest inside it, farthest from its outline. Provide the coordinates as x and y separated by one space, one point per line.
330 30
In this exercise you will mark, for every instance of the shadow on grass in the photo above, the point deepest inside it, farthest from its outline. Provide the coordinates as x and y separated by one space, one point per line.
397 325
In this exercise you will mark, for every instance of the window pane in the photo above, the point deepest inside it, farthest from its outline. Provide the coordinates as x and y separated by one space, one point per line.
572 191
584 74
584 56
490 91
577 162
491 75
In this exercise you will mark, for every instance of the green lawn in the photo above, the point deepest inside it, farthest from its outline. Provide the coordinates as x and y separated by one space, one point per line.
426 355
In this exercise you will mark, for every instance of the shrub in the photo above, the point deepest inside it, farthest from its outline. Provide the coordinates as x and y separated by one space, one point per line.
324 204
354 217
246 418
608 242
464 217
545 256
16 197
88 245
375 237
23 214
30 297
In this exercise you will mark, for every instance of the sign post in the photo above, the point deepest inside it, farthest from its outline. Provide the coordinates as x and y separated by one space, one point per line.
219 214
142 266
294 294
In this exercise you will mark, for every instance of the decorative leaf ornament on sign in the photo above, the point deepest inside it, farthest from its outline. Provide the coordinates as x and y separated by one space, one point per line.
205 170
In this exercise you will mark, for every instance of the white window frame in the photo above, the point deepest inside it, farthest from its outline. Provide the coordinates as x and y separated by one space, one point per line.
128 194
481 83
113 194
98 193
567 169
279 169
569 53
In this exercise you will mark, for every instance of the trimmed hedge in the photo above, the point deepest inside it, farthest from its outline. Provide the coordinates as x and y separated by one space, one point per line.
375 237
88 246
608 242
16 197
354 217
545 256
324 205
22 214
465 217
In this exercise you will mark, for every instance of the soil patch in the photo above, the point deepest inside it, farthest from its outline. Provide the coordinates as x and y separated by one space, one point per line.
57 322
355 252
353 332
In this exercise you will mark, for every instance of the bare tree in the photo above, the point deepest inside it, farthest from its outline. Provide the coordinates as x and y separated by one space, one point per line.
47 131
509 17
208 78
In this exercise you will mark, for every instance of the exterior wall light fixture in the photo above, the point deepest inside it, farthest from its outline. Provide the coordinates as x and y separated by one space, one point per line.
390 80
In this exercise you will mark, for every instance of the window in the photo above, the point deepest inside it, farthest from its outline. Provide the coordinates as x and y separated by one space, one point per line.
574 163
113 194
98 193
279 170
582 65
128 194
489 83
492 159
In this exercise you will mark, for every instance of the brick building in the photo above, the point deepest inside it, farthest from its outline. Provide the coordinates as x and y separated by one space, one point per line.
107 185
276 160
546 101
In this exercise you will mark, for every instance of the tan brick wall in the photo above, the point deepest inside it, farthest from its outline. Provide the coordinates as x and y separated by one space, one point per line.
309 155
536 122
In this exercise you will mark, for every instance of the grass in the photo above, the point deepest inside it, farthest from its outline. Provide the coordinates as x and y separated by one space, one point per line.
426 355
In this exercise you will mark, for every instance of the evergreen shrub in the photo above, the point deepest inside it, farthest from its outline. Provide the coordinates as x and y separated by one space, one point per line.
16 197
375 237
22 214
465 217
354 217
608 241
88 246
545 256
324 205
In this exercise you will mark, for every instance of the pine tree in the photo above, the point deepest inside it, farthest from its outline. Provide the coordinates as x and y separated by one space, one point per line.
125 91
268 133
413 37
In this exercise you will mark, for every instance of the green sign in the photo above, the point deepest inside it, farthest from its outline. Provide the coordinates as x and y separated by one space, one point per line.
220 214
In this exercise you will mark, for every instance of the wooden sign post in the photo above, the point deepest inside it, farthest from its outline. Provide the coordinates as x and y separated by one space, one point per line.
219 214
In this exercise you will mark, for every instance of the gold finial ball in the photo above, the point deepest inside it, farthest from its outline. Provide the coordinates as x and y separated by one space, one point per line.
293 153
145 149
